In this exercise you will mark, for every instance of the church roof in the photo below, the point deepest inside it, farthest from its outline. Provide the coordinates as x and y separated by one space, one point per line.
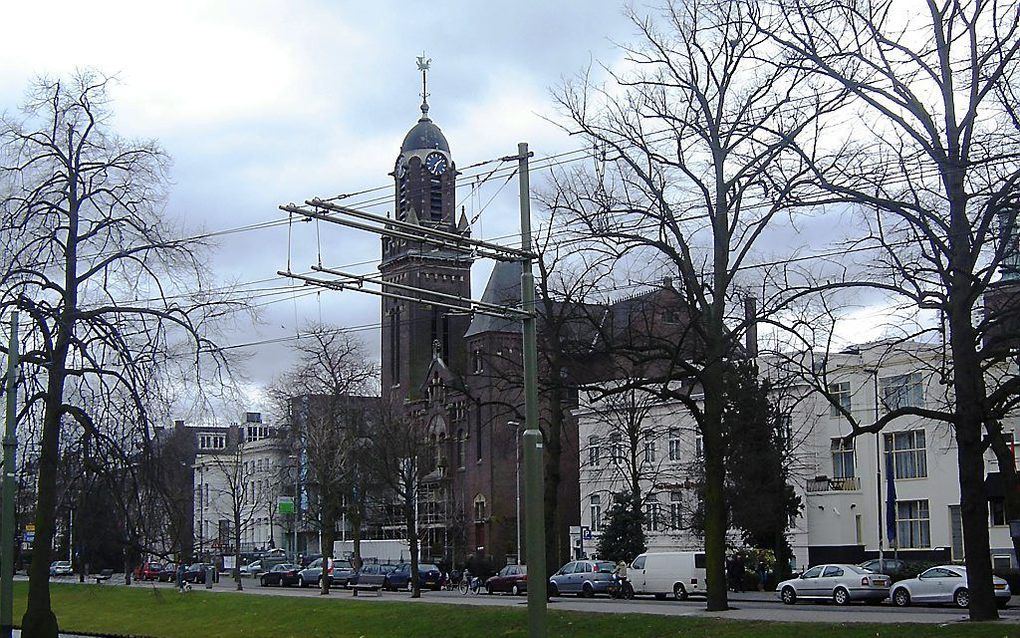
424 136
503 288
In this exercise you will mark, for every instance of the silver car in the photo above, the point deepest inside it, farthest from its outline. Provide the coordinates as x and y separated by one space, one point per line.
836 582
943 584
583 577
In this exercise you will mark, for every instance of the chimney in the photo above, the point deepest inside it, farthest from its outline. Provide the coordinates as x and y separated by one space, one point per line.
751 334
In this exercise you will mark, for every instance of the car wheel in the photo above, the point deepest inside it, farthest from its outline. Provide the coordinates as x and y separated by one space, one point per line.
553 590
901 597
679 592
789 595
515 590
841 596
587 591
962 598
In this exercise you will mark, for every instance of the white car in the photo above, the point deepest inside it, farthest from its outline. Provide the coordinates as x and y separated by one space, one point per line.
61 568
943 584
836 582
253 568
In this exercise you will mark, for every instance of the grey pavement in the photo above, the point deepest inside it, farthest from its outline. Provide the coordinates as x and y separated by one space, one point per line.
744 605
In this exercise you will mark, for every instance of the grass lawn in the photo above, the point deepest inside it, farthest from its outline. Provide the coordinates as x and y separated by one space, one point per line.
162 613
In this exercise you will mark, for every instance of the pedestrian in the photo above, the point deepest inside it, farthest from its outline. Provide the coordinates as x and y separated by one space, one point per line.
738 573
763 572
180 577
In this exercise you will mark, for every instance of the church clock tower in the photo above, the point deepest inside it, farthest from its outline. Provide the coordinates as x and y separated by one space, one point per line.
425 178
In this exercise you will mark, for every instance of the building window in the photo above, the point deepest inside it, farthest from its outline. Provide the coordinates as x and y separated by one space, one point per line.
479 509
615 447
901 391
698 451
676 510
477 362
593 451
461 443
649 446
596 512
912 525
840 393
844 461
997 511
652 514
908 453
674 444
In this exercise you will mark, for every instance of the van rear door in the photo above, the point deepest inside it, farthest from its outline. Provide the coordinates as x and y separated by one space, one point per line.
699 575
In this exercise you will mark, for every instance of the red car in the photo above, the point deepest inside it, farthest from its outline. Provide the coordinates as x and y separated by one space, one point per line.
148 571
512 579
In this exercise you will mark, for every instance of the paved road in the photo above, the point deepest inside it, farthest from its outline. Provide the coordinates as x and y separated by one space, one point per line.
745 606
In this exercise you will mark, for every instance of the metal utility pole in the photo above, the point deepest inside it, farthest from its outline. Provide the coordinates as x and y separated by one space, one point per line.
10 444
533 445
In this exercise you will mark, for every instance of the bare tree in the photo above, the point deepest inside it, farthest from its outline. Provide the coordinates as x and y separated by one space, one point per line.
228 486
106 286
936 83
330 415
400 443
699 133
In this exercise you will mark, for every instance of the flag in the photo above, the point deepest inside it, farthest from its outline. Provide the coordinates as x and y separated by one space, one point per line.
890 500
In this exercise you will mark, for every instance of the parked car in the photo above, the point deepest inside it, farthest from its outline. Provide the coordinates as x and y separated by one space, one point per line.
148 571
284 574
884 566
253 568
61 568
343 571
195 573
512 579
943 584
583 577
168 574
312 574
371 576
660 574
838 583
429 577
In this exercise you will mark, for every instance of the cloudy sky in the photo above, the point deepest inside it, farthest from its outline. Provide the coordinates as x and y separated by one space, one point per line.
264 103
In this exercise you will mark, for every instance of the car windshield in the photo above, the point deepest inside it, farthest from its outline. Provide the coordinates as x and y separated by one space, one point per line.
428 568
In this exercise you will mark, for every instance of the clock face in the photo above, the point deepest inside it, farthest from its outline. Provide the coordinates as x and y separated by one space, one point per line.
400 169
436 163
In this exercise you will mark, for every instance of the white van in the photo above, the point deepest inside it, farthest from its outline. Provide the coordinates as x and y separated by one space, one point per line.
663 573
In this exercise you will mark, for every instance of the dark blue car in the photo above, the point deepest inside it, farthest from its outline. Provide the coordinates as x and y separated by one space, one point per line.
429 577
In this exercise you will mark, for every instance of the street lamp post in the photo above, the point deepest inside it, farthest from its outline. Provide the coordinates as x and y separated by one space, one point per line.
517 457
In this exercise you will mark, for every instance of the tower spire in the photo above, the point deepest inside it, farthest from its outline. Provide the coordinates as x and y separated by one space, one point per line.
423 66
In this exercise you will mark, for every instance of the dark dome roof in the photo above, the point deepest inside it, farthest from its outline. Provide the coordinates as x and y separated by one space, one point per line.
424 135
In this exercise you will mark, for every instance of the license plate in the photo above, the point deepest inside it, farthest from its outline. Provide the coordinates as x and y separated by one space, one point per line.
879 582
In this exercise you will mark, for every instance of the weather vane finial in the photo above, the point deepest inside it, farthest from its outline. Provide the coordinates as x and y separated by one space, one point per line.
423 66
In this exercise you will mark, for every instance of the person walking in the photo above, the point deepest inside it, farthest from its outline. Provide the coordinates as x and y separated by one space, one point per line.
180 577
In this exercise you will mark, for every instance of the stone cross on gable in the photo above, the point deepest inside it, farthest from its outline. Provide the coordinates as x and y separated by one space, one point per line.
435 348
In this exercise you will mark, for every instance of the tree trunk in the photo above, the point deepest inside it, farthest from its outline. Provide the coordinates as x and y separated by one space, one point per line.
412 542
127 568
39 620
237 551
326 550
355 520
715 497
554 545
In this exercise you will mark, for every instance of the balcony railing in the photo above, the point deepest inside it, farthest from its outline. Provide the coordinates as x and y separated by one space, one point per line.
825 484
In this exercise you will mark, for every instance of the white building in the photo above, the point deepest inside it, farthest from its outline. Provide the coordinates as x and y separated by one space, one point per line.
843 486
623 438
247 480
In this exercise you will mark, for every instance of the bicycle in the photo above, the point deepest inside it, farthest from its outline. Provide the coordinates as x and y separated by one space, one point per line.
469 583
